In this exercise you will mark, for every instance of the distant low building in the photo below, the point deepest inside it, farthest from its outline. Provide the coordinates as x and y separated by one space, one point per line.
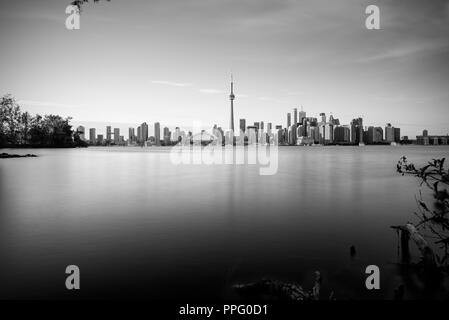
425 139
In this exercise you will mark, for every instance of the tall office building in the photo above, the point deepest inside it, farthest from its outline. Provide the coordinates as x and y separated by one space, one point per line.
301 115
328 133
242 125
289 120
144 132
116 135
357 131
131 135
257 125
389 133
92 135
167 135
374 135
108 134
252 135
177 134
397 135
292 134
232 97
157 133
342 134
139 134
295 116
100 139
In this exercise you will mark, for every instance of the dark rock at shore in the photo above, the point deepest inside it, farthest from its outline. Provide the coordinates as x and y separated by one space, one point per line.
6 155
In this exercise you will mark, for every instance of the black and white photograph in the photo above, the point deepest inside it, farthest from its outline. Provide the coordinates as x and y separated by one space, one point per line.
221 157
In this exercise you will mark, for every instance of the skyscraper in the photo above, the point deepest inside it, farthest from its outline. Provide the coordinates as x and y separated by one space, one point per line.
242 125
132 135
108 134
92 135
397 135
232 97
157 133
289 120
116 135
144 131
389 133
139 134
167 135
295 116
301 115
357 131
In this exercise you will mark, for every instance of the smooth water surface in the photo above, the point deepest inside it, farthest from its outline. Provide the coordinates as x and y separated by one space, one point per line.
139 226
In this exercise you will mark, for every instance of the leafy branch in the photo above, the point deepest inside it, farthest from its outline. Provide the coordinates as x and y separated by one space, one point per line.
433 218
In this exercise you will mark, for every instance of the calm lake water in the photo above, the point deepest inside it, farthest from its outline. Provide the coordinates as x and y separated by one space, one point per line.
139 226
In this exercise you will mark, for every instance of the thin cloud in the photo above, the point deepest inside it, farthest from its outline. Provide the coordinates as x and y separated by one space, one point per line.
210 91
401 52
171 83
272 100
293 93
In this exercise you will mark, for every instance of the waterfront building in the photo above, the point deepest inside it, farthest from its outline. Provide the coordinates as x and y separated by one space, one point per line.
292 135
92 135
108 134
144 132
342 134
157 133
242 125
131 135
252 134
139 134
167 135
389 133
425 139
116 135
357 132
374 135
301 115
397 135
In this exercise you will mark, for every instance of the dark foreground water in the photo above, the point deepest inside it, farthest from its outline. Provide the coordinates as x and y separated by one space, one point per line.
139 226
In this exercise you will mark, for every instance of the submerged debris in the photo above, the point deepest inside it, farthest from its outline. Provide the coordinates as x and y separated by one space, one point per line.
278 290
352 251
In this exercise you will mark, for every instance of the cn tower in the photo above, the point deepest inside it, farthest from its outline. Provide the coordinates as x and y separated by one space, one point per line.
232 97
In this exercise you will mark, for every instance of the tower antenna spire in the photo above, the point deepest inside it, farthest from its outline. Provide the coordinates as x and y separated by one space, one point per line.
232 97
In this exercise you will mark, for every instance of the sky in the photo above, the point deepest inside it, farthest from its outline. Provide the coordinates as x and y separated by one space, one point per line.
170 61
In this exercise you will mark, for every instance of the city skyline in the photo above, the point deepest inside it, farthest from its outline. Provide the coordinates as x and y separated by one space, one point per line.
302 130
284 55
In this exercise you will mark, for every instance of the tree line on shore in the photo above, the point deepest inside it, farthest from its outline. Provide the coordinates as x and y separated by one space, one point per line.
20 129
